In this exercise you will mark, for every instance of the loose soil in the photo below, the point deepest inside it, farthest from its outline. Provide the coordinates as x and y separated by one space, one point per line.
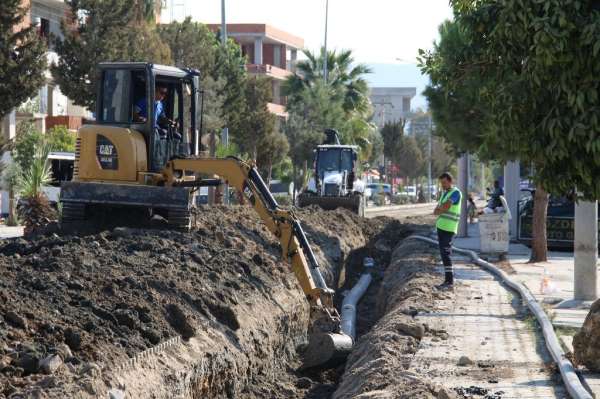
82 315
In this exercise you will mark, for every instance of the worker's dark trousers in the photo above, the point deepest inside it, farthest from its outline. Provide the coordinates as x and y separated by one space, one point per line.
445 242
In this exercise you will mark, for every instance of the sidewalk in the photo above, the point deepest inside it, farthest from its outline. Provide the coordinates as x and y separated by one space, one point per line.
560 270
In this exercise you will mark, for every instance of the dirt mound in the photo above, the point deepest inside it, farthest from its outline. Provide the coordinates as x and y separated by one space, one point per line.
586 343
377 366
74 308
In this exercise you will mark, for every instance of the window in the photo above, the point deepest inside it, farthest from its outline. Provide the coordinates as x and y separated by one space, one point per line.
116 85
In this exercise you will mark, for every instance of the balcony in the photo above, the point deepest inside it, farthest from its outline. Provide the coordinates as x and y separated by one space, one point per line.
277 109
268 70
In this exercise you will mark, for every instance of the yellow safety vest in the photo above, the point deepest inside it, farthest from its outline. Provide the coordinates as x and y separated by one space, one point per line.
448 221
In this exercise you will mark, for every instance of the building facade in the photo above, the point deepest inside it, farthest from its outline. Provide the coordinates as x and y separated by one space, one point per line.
270 52
49 107
391 104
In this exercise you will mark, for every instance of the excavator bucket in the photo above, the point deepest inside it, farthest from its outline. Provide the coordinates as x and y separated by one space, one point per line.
326 350
353 203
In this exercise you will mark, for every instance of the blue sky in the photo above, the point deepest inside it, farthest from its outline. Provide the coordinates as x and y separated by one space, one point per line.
379 32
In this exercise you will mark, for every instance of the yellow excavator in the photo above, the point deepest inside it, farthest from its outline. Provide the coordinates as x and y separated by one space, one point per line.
142 154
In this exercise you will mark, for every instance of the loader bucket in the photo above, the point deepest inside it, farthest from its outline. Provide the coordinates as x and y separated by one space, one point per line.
326 350
354 203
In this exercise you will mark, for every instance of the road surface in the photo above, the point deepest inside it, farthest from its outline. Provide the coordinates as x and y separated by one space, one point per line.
400 211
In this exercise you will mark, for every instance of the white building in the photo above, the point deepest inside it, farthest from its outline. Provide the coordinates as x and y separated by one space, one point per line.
391 103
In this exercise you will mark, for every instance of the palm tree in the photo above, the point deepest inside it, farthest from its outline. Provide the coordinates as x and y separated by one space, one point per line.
33 209
345 78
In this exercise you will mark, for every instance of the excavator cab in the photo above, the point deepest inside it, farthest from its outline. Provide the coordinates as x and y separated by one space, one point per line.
160 102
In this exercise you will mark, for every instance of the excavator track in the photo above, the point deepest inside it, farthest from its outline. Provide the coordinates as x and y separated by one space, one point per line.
180 219
73 215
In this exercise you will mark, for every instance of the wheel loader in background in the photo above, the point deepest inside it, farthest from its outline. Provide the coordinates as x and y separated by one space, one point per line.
124 162
334 183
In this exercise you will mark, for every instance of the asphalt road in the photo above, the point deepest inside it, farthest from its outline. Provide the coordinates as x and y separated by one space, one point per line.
400 211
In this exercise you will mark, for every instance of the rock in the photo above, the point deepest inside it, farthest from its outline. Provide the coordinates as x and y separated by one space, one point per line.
586 343
464 361
91 369
115 393
15 319
304 383
47 382
63 351
29 362
414 330
446 394
73 339
220 236
50 364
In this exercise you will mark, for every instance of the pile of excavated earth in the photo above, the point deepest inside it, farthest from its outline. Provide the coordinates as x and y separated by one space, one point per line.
212 313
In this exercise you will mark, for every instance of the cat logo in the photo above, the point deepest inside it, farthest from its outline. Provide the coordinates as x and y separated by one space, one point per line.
106 153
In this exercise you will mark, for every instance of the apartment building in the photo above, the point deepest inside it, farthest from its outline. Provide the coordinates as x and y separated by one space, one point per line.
49 107
270 52
391 103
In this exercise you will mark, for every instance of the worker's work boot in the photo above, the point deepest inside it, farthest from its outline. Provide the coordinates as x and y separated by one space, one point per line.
448 284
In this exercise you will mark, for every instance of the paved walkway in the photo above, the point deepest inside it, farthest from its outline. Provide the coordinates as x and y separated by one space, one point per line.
488 324
559 270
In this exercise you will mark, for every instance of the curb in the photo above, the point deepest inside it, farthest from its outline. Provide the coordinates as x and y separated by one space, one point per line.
391 208
567 371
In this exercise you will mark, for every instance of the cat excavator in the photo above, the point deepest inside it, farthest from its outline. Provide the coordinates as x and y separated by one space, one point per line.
142 153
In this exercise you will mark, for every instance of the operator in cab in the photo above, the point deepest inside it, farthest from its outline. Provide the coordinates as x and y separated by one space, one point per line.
448 216
161 122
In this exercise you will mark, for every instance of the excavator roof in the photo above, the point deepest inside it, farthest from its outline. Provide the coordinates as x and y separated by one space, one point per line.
155 68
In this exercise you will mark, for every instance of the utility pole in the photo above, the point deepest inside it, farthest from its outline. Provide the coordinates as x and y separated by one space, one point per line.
586 251
463 186
223 24
225 131
325 67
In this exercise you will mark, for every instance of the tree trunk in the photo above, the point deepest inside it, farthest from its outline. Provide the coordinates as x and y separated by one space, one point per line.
539 244
12 217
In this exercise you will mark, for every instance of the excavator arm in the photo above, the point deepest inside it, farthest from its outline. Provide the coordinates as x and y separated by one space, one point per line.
326 343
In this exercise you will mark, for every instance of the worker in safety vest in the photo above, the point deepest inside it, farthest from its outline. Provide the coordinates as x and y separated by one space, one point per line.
448 216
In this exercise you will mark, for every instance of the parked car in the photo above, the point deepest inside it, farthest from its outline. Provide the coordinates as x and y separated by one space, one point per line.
410 191
378 189
560 222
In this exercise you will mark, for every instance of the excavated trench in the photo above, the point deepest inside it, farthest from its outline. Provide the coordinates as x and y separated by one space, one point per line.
154 313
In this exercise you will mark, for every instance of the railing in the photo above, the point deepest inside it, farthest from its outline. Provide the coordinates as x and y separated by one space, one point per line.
269 70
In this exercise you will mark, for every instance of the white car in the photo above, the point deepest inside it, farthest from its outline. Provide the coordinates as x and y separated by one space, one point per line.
410 191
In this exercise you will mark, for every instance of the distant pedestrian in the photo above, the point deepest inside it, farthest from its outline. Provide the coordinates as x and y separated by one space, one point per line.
471 208
448 216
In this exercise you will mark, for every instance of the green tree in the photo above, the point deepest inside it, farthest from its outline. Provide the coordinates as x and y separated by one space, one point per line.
342 103
102 31
344 76
59 138
536 64
193 45
22 57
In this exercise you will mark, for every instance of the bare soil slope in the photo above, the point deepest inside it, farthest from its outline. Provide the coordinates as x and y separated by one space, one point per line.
74 309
